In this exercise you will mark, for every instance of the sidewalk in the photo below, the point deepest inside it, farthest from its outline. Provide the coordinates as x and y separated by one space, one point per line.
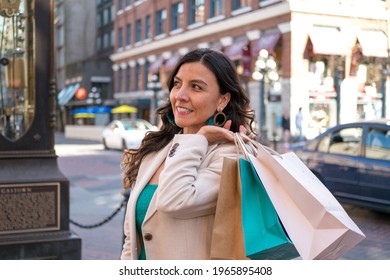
95 193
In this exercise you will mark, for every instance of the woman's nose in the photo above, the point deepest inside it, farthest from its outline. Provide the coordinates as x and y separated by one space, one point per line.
182 94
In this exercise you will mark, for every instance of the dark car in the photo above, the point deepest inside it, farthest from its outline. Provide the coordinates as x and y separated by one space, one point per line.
353 162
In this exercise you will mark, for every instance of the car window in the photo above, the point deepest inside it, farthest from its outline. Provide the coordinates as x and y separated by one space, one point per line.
345 141
378 143
323 146
130 126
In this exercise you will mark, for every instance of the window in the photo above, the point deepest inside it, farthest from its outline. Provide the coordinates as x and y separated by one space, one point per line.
120 37
145 75
138 30
106 17
119 86
120 7
106 40
147 27
137 77
161 17
128 3
378 143
128 34
345 141
216 8
128 73
239 4
196 11
177 16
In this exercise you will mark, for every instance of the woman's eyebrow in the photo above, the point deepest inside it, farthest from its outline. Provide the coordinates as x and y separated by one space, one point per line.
199 81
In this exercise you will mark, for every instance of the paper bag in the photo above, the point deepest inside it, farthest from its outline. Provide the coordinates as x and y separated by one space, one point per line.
264 236
227 242
246 225
315 221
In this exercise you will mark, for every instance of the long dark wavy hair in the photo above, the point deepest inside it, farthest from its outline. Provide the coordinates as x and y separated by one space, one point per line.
237 109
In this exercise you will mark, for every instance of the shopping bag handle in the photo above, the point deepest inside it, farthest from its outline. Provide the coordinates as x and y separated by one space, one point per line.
253 144
241 146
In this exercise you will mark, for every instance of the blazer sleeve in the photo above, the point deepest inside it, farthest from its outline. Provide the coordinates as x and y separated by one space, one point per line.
189 183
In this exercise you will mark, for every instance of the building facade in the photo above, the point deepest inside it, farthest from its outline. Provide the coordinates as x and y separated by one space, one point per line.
84 41
331 56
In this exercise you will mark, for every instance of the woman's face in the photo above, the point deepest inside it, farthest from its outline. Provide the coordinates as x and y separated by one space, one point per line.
195 96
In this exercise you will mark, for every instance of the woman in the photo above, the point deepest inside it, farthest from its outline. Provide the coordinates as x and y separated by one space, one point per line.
175 175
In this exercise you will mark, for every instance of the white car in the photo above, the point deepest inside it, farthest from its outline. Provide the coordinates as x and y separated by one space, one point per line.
125 133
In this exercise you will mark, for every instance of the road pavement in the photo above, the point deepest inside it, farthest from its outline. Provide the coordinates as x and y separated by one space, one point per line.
95 194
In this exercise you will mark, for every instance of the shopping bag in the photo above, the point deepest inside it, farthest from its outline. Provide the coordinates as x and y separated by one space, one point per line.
315 221
227 241
264 236
246 225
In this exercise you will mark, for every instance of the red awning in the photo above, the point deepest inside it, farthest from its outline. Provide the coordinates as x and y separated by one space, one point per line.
171 63
155 66
235 51
267 41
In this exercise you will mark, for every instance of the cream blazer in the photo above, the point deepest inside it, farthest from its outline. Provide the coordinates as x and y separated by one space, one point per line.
179 221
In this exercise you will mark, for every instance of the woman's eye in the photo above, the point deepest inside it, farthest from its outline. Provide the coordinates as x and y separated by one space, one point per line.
197 87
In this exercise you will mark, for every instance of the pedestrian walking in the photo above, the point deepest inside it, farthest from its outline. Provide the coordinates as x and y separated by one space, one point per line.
298 124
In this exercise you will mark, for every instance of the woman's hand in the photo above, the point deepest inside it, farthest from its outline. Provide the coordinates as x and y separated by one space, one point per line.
215 134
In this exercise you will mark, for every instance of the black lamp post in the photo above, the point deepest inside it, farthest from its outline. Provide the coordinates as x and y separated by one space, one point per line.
265 71
155 86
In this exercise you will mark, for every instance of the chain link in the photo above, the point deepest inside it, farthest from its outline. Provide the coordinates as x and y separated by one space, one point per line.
106 220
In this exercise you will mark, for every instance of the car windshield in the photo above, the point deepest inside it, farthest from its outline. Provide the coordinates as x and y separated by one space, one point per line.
135 126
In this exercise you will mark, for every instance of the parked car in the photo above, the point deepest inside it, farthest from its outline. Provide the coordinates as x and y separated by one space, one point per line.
125 133
353 162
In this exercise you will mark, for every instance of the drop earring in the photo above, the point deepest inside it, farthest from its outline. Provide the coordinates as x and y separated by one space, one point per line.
220 118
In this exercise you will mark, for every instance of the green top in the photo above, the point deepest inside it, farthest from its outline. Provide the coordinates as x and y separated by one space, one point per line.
140 211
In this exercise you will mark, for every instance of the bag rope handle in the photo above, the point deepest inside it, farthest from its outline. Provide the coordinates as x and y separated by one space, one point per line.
254 145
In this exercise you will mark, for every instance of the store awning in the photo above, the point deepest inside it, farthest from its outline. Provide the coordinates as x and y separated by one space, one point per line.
373 43
67 93
171 63
91 110
155 66
84 116
327 40
124 109
267 41
236 50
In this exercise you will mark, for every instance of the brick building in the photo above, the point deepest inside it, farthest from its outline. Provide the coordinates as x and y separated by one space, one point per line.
331 56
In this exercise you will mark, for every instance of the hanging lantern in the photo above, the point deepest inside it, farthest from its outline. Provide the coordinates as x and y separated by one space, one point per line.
81 93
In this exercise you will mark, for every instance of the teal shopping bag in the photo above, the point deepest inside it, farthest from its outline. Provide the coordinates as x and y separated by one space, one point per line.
264 236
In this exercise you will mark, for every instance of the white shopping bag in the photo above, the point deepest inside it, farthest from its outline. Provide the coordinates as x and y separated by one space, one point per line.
315 221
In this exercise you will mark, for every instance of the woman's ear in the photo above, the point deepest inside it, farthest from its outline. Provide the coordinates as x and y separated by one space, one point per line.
224 100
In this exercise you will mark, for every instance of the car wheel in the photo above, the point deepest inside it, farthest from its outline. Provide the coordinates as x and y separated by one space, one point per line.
105 144
124 144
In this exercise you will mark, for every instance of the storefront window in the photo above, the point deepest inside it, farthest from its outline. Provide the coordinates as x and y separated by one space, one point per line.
369 103
322 96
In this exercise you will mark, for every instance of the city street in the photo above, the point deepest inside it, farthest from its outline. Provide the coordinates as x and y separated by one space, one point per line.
96 192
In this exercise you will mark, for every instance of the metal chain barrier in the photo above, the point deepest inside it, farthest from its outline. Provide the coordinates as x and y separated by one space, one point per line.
106 220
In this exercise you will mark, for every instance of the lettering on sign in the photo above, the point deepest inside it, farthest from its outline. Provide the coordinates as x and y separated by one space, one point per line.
29 207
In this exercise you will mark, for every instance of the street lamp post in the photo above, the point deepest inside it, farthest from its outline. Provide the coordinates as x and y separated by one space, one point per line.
265 71
155 86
